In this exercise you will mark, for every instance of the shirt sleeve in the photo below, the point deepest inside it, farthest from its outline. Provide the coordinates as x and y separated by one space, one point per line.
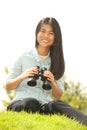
60 83
15 69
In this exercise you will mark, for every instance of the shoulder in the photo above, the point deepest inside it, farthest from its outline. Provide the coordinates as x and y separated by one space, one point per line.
27 54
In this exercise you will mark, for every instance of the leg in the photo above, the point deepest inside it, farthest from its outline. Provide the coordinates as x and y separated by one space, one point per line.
61 107
27 104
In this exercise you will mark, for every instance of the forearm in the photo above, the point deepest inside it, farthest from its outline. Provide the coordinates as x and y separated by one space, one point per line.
56 91
13 83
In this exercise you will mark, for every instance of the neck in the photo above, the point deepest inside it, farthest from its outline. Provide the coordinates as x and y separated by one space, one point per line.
43 51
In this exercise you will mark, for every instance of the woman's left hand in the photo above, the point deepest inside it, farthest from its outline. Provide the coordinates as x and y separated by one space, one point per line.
49 76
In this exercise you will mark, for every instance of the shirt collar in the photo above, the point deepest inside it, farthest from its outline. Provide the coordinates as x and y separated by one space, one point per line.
37 56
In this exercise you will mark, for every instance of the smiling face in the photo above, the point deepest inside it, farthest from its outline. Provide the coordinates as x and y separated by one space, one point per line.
45 36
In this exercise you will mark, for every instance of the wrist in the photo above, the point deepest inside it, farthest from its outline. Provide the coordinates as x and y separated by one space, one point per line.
53 83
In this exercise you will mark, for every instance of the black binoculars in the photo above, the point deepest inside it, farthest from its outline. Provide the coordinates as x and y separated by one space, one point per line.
33 79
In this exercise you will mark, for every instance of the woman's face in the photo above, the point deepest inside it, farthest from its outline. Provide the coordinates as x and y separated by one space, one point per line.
46 36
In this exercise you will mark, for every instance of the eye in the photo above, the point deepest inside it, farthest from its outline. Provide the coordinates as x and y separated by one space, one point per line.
51 33
42 30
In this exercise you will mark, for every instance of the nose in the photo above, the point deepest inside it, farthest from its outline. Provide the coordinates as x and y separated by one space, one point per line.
46 34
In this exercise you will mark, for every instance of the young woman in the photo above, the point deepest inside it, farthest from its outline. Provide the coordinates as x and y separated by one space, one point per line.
38 75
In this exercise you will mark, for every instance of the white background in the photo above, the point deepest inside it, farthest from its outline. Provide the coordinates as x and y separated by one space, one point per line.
18 21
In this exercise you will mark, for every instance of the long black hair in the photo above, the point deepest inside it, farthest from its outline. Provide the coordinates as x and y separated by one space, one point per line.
56 50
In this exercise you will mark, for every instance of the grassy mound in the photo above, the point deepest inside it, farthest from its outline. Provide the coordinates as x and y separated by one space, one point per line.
29 121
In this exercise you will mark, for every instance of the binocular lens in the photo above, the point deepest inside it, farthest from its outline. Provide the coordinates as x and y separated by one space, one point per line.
32 82
46 86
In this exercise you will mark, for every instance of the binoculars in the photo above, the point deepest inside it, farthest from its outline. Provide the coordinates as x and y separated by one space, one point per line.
33 79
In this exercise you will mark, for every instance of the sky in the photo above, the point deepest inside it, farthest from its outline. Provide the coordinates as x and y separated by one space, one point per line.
18 21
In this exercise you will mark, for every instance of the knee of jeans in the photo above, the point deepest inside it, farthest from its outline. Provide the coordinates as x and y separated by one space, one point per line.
32 105
15 107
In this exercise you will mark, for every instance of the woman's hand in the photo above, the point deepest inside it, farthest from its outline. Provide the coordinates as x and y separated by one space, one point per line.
56 91
13 83
30 72
49 76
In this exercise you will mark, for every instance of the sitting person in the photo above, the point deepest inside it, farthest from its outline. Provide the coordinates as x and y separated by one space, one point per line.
38 75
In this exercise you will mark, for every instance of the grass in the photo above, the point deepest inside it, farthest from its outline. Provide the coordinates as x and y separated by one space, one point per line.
29 121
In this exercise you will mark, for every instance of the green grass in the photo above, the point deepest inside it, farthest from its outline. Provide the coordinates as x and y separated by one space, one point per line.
29 121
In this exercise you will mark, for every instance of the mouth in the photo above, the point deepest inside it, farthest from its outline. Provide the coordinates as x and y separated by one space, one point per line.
46 41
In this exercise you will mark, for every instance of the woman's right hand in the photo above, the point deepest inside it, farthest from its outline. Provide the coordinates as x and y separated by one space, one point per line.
29 72
13 83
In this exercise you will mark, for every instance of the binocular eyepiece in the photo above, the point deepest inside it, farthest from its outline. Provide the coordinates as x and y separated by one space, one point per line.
33 79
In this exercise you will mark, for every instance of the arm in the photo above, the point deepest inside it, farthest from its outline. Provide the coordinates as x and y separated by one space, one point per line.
56 91
13 83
